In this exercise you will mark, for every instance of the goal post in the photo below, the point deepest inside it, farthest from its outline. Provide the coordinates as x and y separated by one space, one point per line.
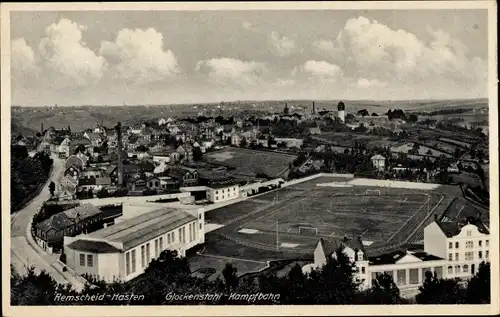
311 231
372 192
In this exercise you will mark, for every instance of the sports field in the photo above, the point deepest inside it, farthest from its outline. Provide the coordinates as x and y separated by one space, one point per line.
294 218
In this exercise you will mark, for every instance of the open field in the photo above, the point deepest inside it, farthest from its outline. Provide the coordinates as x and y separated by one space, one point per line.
291 220
348 139
251 162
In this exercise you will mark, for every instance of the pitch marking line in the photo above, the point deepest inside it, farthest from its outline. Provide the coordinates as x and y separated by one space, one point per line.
230 258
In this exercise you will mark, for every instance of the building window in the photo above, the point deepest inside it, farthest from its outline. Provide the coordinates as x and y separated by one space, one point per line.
480 254
457 269
161 244
82 259
450 256
156 248
148 253
486 254
143 256
133 261
450 270
216 192
466 268
180 235
216 198
200 225
480 243
363 270
183 234
456 245
456 256
469 233
487 242
450 245
90 260
168 239
401 275
469 256
127 263
469 244
413 276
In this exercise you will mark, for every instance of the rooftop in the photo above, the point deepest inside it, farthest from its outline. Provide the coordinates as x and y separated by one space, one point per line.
93 246
395 256
135 231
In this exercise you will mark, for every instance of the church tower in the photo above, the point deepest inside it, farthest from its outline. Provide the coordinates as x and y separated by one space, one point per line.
341 111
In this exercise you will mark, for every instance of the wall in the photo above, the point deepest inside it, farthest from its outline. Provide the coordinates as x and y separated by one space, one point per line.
435 241
223 194
109 266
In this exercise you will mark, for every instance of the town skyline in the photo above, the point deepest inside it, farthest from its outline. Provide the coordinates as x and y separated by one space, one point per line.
164 58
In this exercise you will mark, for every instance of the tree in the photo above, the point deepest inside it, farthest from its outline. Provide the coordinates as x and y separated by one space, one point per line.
412 118
363 113
478 288
52 188
440 291
383 291
230 278
197 154
243 142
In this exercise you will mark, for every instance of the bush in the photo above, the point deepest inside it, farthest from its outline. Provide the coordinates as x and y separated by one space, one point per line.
120 192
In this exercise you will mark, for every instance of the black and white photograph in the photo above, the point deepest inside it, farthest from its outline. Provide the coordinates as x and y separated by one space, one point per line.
225 154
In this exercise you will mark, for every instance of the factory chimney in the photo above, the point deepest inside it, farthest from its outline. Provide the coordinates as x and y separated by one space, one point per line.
41 127
120 151
314 108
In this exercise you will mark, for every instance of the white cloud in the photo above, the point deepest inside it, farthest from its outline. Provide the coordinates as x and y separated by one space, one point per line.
281 46
138 56
367 83
229 70
326 46
371 49
23 63
65 54
321 69
248 25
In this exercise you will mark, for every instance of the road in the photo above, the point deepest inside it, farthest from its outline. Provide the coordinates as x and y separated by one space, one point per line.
22 253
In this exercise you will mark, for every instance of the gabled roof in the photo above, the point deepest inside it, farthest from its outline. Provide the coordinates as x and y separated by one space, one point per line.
80 141
59 221
452 228
110 169
92 246
137 230
83 211
377 157
395 256
329 247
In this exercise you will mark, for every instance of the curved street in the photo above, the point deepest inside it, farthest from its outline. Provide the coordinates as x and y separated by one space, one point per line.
23 253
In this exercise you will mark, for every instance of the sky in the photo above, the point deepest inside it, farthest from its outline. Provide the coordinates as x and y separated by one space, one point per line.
168 57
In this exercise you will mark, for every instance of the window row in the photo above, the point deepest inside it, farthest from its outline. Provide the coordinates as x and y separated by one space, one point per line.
469 244
469 256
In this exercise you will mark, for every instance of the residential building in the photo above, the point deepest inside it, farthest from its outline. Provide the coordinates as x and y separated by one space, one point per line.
463 245
378 162
222 192
49 234
123 251
184 176
451 250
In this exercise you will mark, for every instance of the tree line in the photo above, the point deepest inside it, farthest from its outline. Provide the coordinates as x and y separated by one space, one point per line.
27 175
334 283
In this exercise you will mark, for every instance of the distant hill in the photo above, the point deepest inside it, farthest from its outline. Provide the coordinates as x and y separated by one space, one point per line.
82 117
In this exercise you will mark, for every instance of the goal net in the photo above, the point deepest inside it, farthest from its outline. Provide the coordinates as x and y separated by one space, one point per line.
372 192
310 231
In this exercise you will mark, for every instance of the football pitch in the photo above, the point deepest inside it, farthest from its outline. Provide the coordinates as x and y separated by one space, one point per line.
295 217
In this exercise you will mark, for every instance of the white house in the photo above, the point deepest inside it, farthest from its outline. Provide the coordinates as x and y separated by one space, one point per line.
451 250
162 121
378 162
218 193
464 246
123 251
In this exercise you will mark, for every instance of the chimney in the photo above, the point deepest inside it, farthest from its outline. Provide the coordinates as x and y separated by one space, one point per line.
120 150
314 108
